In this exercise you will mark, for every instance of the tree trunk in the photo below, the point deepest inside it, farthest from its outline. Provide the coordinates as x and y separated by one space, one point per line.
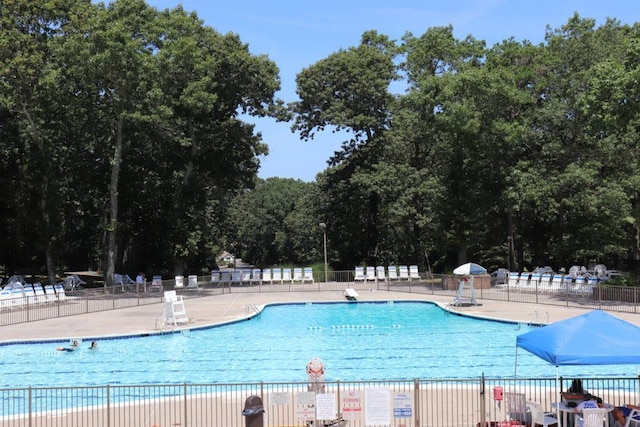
112 226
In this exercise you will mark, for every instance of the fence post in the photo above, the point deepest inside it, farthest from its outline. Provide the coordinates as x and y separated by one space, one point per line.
108 405
416 399
483 403
30 408
184 397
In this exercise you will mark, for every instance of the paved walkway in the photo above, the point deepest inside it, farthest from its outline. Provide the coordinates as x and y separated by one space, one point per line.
228 307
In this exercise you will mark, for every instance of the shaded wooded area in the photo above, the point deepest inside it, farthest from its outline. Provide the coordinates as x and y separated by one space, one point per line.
124 146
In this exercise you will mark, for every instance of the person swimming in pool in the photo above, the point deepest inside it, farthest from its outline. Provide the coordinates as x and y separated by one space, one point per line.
74 345
94 345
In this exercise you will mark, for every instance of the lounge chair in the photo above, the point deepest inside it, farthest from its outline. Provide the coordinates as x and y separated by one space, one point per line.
371 274
192 283
380 277
225 277
121 280
403 271
545 283
5 299
245 276
277 275
534 282
513 280
256 276
413 272
156 284
297 275
286 275
179 282
633 417
236 277
60 292
29 295
359 275
351 294
393 272
50 293
556 283
215 277
40 296
307 275
266 276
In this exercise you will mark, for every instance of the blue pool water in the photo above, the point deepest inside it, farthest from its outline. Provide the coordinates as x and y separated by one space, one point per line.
363 341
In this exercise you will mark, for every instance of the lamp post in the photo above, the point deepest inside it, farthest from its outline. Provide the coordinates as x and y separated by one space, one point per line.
324 236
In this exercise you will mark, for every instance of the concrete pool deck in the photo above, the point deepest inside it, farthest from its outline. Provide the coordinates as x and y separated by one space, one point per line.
217 309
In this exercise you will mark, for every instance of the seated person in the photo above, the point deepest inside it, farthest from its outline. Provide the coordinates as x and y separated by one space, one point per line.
589 402
620 413
576 386
74 345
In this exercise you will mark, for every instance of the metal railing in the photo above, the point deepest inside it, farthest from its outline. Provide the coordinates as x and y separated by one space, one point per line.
445 402
602 296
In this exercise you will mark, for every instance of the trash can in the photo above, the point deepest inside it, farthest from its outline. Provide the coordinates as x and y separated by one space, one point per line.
253 411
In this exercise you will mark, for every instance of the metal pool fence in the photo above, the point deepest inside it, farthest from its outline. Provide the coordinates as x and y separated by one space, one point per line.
25 308
399 403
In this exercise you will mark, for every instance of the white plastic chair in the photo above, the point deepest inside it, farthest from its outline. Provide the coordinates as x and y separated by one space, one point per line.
592 417
359 274
538 416
515 406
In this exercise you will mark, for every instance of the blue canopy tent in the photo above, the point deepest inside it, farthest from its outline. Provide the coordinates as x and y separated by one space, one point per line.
594 338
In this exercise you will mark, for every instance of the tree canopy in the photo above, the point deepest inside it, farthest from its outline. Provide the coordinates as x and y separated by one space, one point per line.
125 146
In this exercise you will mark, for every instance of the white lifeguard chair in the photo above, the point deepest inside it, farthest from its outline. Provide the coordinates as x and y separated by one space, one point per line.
315 375
466 293
174 310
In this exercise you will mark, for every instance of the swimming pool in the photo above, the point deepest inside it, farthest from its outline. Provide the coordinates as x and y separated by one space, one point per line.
361 341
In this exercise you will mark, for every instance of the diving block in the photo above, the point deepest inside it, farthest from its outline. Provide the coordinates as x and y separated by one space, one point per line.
351 294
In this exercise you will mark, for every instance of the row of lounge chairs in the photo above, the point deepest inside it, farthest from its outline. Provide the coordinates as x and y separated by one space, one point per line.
16 295
257 276
551 283
394 273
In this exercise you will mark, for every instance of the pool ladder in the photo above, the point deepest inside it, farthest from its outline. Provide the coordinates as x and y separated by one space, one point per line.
251 308
540 318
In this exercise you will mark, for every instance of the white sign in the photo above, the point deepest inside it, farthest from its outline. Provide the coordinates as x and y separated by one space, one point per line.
352 405
305 406
280 399
326 406
377 402
402 405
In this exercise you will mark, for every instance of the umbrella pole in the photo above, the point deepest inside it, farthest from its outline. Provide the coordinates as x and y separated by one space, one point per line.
558 394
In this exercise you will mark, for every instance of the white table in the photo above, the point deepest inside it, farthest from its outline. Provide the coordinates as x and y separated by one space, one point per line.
562 407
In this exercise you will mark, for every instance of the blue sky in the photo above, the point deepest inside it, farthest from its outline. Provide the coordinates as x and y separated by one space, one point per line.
296 34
